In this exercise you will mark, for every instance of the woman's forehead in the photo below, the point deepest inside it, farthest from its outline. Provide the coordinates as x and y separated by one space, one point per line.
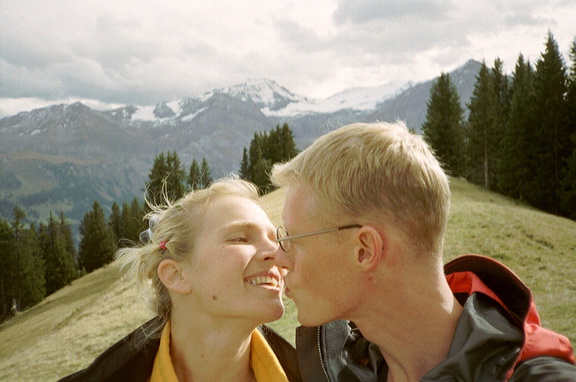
231 209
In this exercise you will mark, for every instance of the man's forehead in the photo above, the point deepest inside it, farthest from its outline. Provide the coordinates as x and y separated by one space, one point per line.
298 204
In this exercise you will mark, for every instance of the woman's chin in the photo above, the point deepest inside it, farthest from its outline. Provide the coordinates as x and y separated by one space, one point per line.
273 313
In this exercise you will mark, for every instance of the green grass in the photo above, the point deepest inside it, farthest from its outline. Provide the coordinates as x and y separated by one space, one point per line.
538 247
71 327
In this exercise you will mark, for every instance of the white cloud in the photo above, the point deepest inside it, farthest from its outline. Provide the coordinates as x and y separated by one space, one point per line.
150 51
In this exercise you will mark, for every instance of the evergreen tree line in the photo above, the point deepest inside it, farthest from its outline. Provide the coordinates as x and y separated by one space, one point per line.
520 135
36 261
101 236
266 149
168 177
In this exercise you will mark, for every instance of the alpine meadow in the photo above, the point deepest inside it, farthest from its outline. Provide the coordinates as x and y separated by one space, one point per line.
67 330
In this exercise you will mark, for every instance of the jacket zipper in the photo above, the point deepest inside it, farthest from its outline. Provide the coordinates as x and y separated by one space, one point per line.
320 354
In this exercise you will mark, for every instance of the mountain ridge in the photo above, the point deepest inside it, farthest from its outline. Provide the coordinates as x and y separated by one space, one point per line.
77 154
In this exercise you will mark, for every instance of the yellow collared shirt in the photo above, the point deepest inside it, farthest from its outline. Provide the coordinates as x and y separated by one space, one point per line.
263 361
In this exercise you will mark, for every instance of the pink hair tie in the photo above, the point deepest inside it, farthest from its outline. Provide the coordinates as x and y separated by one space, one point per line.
162 245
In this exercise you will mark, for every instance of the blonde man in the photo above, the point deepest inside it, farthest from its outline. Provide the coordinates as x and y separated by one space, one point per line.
365 215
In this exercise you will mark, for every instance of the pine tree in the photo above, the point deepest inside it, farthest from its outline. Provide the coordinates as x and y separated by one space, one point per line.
29 284
444 124
502 91
96 245
116 223
552 129
205 174
271 146
137 219
287 145
481 148
266 149
194 178
127 222
569 185
66 230
8 269
516 167
245 165
59 265
255 154
167 176
260 165
568 197
176 176
157 174
260 176
132 220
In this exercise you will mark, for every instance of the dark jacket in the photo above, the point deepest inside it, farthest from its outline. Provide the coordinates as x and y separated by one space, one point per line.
498 336
132 358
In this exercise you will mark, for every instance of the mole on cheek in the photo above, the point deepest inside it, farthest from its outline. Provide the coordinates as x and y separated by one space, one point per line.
214 297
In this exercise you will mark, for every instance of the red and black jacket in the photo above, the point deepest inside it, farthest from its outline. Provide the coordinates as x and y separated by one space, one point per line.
479 274
338 352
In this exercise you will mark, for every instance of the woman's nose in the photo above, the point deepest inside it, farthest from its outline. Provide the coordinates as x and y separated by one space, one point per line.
271 249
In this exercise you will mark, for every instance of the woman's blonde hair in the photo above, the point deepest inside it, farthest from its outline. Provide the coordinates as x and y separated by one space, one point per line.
379 171
172 235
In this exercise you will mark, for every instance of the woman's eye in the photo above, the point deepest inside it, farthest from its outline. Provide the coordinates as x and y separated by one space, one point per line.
239 239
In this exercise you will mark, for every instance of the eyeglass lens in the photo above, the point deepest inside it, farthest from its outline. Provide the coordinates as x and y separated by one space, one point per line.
280 234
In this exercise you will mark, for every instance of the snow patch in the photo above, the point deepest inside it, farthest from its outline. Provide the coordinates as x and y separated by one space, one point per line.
144 113
190 117
360 99
175 106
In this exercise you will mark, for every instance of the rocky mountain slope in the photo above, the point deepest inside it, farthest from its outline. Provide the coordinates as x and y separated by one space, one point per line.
63 157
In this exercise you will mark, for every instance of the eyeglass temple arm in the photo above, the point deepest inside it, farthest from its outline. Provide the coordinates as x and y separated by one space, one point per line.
319 232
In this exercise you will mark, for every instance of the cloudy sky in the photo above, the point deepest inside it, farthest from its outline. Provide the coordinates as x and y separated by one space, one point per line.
112 52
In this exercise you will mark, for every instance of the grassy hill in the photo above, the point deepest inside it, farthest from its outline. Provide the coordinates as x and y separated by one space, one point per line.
71 327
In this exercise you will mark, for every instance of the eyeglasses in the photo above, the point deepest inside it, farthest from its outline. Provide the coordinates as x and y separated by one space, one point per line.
283 238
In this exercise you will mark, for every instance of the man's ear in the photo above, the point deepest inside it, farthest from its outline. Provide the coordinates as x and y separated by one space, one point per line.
369 247
171 274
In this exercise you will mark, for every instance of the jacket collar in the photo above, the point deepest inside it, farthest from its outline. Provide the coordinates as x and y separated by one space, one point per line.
480 274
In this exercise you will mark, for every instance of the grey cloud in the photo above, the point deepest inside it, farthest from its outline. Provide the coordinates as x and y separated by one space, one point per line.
301 38
20 81
26 47
170 52
361 11
525 16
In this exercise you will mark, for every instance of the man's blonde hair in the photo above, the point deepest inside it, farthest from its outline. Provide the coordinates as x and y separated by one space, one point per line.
378 171
173 235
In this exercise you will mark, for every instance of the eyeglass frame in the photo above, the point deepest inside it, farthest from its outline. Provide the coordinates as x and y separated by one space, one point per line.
279 239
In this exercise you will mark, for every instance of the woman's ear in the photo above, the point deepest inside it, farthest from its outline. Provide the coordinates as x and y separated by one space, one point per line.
172 276
369 248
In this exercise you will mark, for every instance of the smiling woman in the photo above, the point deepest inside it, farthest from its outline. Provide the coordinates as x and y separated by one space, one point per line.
208 262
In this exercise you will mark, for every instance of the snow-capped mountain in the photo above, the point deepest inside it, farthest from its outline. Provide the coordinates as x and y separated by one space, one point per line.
271 99
64 157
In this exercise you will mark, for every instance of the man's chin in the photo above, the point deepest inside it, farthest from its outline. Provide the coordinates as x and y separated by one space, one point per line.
309 320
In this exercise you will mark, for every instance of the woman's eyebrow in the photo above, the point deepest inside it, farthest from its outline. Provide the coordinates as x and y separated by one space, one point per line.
239 224
245 225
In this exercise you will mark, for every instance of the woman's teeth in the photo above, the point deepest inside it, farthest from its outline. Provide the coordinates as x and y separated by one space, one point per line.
266 280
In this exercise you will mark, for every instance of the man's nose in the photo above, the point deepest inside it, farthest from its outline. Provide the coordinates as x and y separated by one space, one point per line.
283 260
